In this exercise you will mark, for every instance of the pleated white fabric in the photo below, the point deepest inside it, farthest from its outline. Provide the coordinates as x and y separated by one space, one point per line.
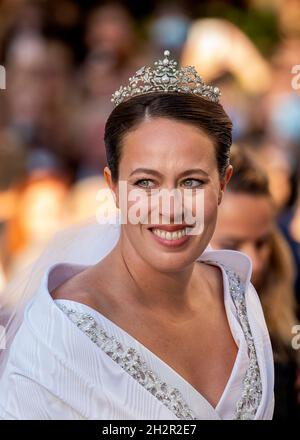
55 371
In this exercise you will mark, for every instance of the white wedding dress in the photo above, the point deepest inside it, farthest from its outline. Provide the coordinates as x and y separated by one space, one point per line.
68 361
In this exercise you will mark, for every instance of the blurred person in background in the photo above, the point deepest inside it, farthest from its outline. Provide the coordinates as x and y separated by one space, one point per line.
38 101
280 107
247 223
112 47
289 222
20 18
112 54
279 167
282 169
233 62
168 27
218 46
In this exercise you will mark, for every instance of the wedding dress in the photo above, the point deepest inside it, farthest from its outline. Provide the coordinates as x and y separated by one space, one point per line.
68 361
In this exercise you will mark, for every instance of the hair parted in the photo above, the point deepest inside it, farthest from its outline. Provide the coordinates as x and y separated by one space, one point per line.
209 117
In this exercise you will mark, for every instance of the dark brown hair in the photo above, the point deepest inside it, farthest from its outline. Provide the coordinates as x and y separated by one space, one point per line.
248 177
208 116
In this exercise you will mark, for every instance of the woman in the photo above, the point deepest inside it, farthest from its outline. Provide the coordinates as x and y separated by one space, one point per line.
161 327
289 223
272 267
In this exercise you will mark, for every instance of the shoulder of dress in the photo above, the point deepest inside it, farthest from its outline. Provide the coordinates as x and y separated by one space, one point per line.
237 286
236 264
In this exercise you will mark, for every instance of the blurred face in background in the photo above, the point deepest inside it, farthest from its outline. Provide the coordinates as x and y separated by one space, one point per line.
110 29
39 73
245 224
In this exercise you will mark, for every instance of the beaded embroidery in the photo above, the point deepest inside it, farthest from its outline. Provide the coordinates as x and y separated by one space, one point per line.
129 359
252 387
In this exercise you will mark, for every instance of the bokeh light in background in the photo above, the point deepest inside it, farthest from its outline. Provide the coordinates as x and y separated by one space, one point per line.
64 58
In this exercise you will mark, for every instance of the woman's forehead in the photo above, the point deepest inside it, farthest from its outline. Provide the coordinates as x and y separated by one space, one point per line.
167 129
166 143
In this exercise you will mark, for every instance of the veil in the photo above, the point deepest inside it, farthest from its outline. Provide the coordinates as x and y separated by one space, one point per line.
84 244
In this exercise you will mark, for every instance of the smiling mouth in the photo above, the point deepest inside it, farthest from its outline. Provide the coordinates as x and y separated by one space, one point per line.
171 238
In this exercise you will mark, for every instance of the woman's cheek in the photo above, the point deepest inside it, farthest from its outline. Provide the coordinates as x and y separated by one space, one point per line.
210 209
135 206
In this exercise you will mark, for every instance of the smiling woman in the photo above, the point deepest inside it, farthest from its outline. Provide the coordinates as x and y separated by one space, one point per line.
159 326
169 148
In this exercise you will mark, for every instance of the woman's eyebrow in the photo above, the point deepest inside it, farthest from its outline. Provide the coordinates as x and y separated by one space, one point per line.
157 173
145 171
192 171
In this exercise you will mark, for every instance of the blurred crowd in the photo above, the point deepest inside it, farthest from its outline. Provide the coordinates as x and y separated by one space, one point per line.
64 58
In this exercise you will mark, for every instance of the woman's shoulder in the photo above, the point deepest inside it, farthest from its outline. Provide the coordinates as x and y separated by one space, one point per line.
70 282
213 277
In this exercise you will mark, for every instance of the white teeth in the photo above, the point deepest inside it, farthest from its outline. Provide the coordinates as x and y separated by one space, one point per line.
166 235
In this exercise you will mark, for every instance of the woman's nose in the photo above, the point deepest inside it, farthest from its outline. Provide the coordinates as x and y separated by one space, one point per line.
169 202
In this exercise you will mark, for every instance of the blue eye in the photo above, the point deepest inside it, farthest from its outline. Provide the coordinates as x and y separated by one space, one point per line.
192 183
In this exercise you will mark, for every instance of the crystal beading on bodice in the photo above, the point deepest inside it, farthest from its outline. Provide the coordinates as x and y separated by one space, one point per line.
131 361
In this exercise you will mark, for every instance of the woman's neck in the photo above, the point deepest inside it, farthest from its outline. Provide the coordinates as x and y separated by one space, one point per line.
144 285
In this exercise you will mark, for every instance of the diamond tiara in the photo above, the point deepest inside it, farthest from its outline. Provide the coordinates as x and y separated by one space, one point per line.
165 77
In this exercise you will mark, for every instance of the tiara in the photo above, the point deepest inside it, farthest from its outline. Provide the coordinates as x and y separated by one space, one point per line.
165 77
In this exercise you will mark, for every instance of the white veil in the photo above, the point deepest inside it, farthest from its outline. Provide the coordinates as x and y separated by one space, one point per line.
84 245
80 244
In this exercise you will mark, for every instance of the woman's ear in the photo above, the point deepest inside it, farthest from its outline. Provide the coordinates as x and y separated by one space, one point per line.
224 182
110 184
107 177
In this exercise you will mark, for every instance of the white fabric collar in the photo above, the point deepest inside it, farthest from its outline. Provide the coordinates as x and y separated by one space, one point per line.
239 262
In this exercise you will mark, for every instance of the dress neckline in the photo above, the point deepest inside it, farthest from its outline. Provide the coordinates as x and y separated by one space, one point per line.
234 326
